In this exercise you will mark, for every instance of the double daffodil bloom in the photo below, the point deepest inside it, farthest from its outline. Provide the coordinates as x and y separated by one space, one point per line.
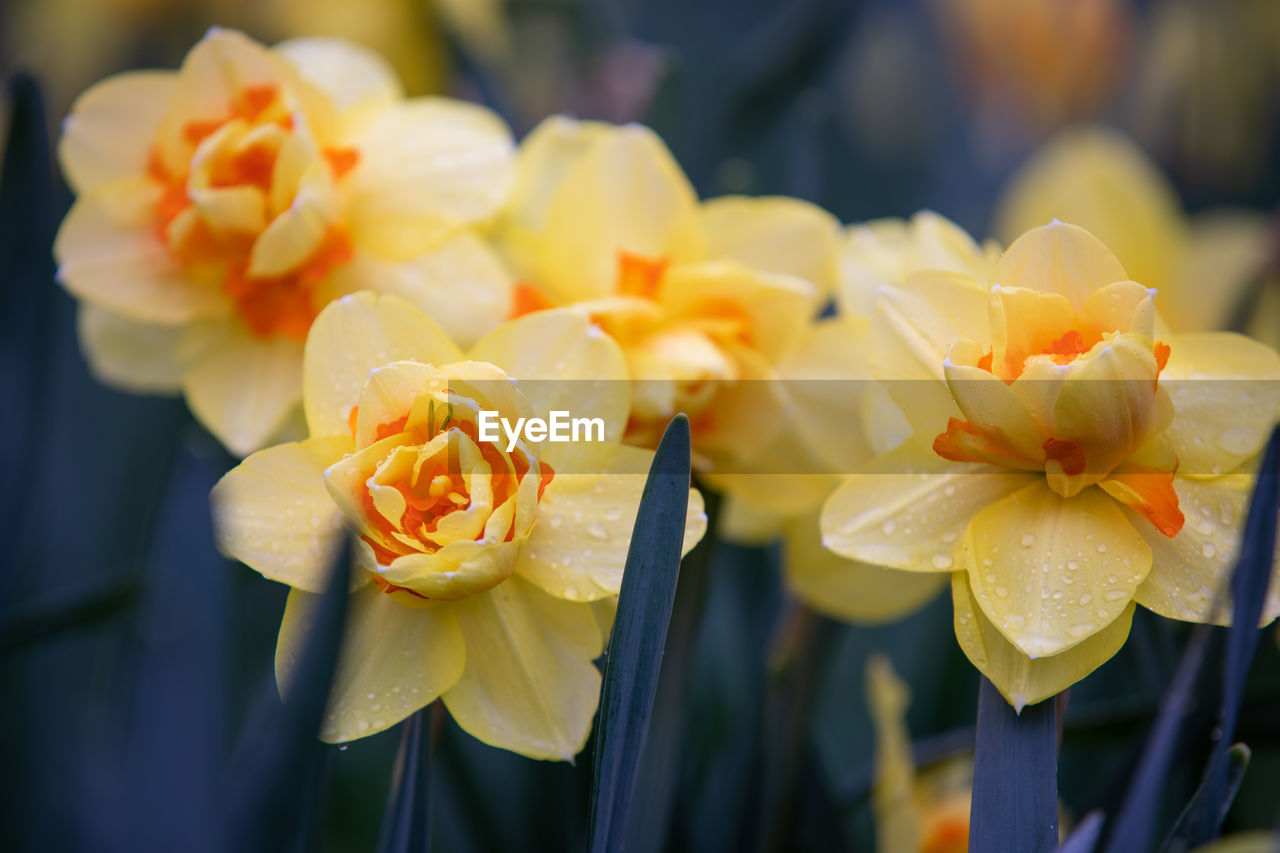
705 299
223 205
1071 457
484 570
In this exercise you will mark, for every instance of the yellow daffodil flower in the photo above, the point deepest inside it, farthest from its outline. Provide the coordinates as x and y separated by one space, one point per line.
1072 457
480 564
1102 181
223 205
705 299
915 813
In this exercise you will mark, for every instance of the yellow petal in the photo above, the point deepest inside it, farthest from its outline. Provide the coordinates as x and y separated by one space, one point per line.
899 818
893 517
139 357
243 388
295 234
273 514
394 660
127 270
625 194
578 546
389 393
849 590
746 523
1022 680
529 685
1223 387
358 81
562 362
993 407
1100 180
1050 571
108 134
1224 253
1023 323
774 234
354 335
431 160
459 282
1059 258
776 308
543 159
1190 572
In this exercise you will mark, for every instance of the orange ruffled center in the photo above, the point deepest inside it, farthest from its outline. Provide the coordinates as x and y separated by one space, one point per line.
233 187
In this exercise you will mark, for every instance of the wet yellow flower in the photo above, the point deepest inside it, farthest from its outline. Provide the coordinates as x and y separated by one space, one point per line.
1071 457
480 564
1102 181
915 813
705 299
223 205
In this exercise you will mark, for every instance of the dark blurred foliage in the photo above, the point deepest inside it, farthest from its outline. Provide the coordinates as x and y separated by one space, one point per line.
133 659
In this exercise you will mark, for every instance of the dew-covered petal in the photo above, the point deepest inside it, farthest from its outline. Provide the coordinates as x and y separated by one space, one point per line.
1190 572
1020 679
1226 395
578 547
1050 571
529 684
909 511
849 590
352 336
273 513
394 659
1059 258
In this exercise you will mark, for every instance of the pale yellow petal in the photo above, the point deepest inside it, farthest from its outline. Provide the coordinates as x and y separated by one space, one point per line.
905 516
1050 571
394 660
459 282
774 234
428 161
1059 258
355 79
746 523
242 388
562 362
1020 679
108 134
625 194
1224 391
578 546
1190 572
354 335
1102 181
894 801
855 592
1224 254
273 513
139 357
529 684
126 269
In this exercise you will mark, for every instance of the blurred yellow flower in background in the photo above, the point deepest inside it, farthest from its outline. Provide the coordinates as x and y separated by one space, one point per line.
222 206
914 813
484 574
706 300
1071 457
1102 181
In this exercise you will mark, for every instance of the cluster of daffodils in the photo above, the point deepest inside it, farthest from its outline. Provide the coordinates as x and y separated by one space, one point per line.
345 284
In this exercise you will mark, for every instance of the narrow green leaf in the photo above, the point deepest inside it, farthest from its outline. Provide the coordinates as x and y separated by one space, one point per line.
1015 776
639 635
278 755
1201 806
406 823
